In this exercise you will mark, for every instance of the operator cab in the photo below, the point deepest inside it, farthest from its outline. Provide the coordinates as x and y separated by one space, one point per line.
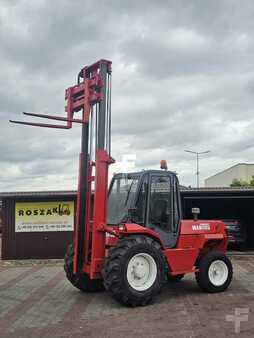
149 198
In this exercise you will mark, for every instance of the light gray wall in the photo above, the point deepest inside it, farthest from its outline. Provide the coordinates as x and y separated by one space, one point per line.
224 179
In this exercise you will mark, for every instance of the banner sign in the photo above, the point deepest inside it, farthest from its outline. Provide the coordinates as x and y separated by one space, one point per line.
44 216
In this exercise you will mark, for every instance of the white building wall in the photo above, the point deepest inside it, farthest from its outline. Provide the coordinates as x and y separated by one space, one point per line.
241 171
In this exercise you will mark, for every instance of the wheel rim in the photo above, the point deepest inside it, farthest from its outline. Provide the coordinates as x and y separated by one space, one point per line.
141 271
218 273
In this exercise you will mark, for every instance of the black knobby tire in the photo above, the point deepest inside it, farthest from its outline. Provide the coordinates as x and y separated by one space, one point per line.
202 276
116 264
80 280
175 279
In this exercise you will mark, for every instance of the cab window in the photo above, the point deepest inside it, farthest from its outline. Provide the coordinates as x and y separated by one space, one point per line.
160 203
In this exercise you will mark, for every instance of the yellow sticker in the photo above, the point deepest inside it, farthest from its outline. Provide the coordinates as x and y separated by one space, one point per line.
44 216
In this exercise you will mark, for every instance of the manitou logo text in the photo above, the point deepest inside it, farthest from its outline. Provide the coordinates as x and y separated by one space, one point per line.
205 226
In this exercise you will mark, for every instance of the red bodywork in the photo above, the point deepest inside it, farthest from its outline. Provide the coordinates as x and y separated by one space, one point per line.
195 239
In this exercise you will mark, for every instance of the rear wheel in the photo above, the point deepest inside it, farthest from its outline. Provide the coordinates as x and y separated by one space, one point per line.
215 272
80 280
135 270
175 279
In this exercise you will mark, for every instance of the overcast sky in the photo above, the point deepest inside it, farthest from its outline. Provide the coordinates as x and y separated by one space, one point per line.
183 78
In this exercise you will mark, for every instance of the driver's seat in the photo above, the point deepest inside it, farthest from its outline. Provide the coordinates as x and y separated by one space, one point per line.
160 221
159 211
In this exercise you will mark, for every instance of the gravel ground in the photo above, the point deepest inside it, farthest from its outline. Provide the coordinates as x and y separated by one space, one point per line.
36 300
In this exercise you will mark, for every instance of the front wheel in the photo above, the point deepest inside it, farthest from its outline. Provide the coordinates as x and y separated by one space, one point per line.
135 270
215 272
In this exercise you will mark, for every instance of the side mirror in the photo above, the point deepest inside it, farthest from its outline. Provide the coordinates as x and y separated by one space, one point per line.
195 213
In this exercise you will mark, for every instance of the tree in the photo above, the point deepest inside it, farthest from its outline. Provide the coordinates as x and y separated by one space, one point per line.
252 181
240 183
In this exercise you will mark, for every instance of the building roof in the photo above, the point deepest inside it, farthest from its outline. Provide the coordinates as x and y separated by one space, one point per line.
218 189
72 193
38 193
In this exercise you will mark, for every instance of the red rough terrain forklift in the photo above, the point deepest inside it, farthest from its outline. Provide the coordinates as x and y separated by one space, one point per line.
131 238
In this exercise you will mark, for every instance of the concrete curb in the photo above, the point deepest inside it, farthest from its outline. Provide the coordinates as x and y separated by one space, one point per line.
32 262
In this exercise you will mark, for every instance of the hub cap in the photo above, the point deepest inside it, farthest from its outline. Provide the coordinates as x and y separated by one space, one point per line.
141 271
218 273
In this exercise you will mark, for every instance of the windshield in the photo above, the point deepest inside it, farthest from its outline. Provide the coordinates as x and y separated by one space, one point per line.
121 198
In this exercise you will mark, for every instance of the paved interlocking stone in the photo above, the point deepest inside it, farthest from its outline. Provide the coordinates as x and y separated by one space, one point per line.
37 301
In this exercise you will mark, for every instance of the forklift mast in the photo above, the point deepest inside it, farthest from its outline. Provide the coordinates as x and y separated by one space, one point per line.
92 96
